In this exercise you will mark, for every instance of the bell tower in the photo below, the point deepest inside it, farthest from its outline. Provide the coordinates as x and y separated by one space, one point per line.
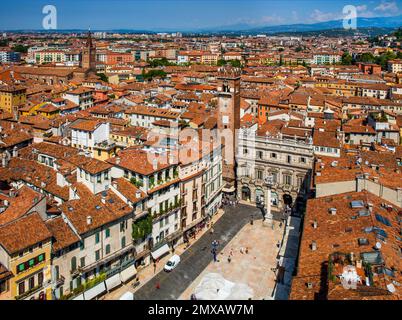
228 116
89 54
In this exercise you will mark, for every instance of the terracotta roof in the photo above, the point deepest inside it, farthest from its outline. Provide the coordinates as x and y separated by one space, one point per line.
339 233
63 235
23 233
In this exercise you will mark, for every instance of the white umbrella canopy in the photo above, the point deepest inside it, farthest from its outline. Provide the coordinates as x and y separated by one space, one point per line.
241 291
213 287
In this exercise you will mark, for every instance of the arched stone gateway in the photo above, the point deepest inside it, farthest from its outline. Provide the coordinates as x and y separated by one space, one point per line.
274 199
245 193
287 199
259 195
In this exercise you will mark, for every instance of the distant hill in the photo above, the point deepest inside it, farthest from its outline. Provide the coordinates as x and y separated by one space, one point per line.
376 22
372 26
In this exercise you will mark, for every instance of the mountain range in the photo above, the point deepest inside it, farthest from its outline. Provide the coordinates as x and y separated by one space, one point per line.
378 24
375 22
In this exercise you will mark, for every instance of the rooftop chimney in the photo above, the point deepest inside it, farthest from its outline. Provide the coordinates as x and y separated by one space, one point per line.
89 220
138 194
313 245
332 211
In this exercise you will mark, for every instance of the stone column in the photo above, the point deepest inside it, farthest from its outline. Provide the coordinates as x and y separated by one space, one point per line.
268 218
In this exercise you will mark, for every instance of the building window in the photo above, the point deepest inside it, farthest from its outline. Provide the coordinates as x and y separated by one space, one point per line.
302 159
107 233
97 255
289 159
259 154
82 245
3 286
245 151
57 272
123 242
82 262
299 182
31 283
260 174
97 237
107 248
273 155
73 263
21 287
40 278
122 226
287 179
99 178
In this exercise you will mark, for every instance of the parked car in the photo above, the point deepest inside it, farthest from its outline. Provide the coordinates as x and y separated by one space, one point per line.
172 263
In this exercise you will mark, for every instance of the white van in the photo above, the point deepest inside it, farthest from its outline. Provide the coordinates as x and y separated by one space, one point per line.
172 263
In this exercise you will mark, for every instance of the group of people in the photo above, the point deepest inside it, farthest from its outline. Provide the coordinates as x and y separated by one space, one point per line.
242 251
227 202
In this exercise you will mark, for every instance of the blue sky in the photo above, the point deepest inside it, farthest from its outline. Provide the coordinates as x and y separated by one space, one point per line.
183 14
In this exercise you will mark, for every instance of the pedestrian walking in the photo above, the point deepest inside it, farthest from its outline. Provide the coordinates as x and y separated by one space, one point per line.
246 250
229 259
158 286
154 267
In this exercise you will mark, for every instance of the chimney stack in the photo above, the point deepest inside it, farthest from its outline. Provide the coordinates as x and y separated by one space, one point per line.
89 220
314 246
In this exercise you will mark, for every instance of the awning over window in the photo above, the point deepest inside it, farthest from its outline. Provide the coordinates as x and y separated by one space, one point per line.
160 251
128 273
95 291
228 189
79 297
113 282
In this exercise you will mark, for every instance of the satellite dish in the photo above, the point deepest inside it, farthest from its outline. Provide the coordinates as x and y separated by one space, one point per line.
378 245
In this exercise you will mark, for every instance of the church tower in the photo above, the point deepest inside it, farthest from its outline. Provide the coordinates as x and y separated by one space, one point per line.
228 116
89 54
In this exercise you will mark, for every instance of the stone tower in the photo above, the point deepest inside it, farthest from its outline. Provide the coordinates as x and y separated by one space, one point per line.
89 54
228 116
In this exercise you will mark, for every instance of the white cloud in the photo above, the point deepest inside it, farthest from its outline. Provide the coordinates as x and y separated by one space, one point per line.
362 12
361 8
319 16
271 19
386 6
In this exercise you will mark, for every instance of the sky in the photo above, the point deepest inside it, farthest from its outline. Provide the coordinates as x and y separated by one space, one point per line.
182 15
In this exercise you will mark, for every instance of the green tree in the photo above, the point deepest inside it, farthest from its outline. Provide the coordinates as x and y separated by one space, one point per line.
221 63
367 57
20 48
103 77
153 74
347 58
280 60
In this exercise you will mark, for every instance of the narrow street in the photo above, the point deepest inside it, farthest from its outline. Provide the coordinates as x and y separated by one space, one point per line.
195 259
